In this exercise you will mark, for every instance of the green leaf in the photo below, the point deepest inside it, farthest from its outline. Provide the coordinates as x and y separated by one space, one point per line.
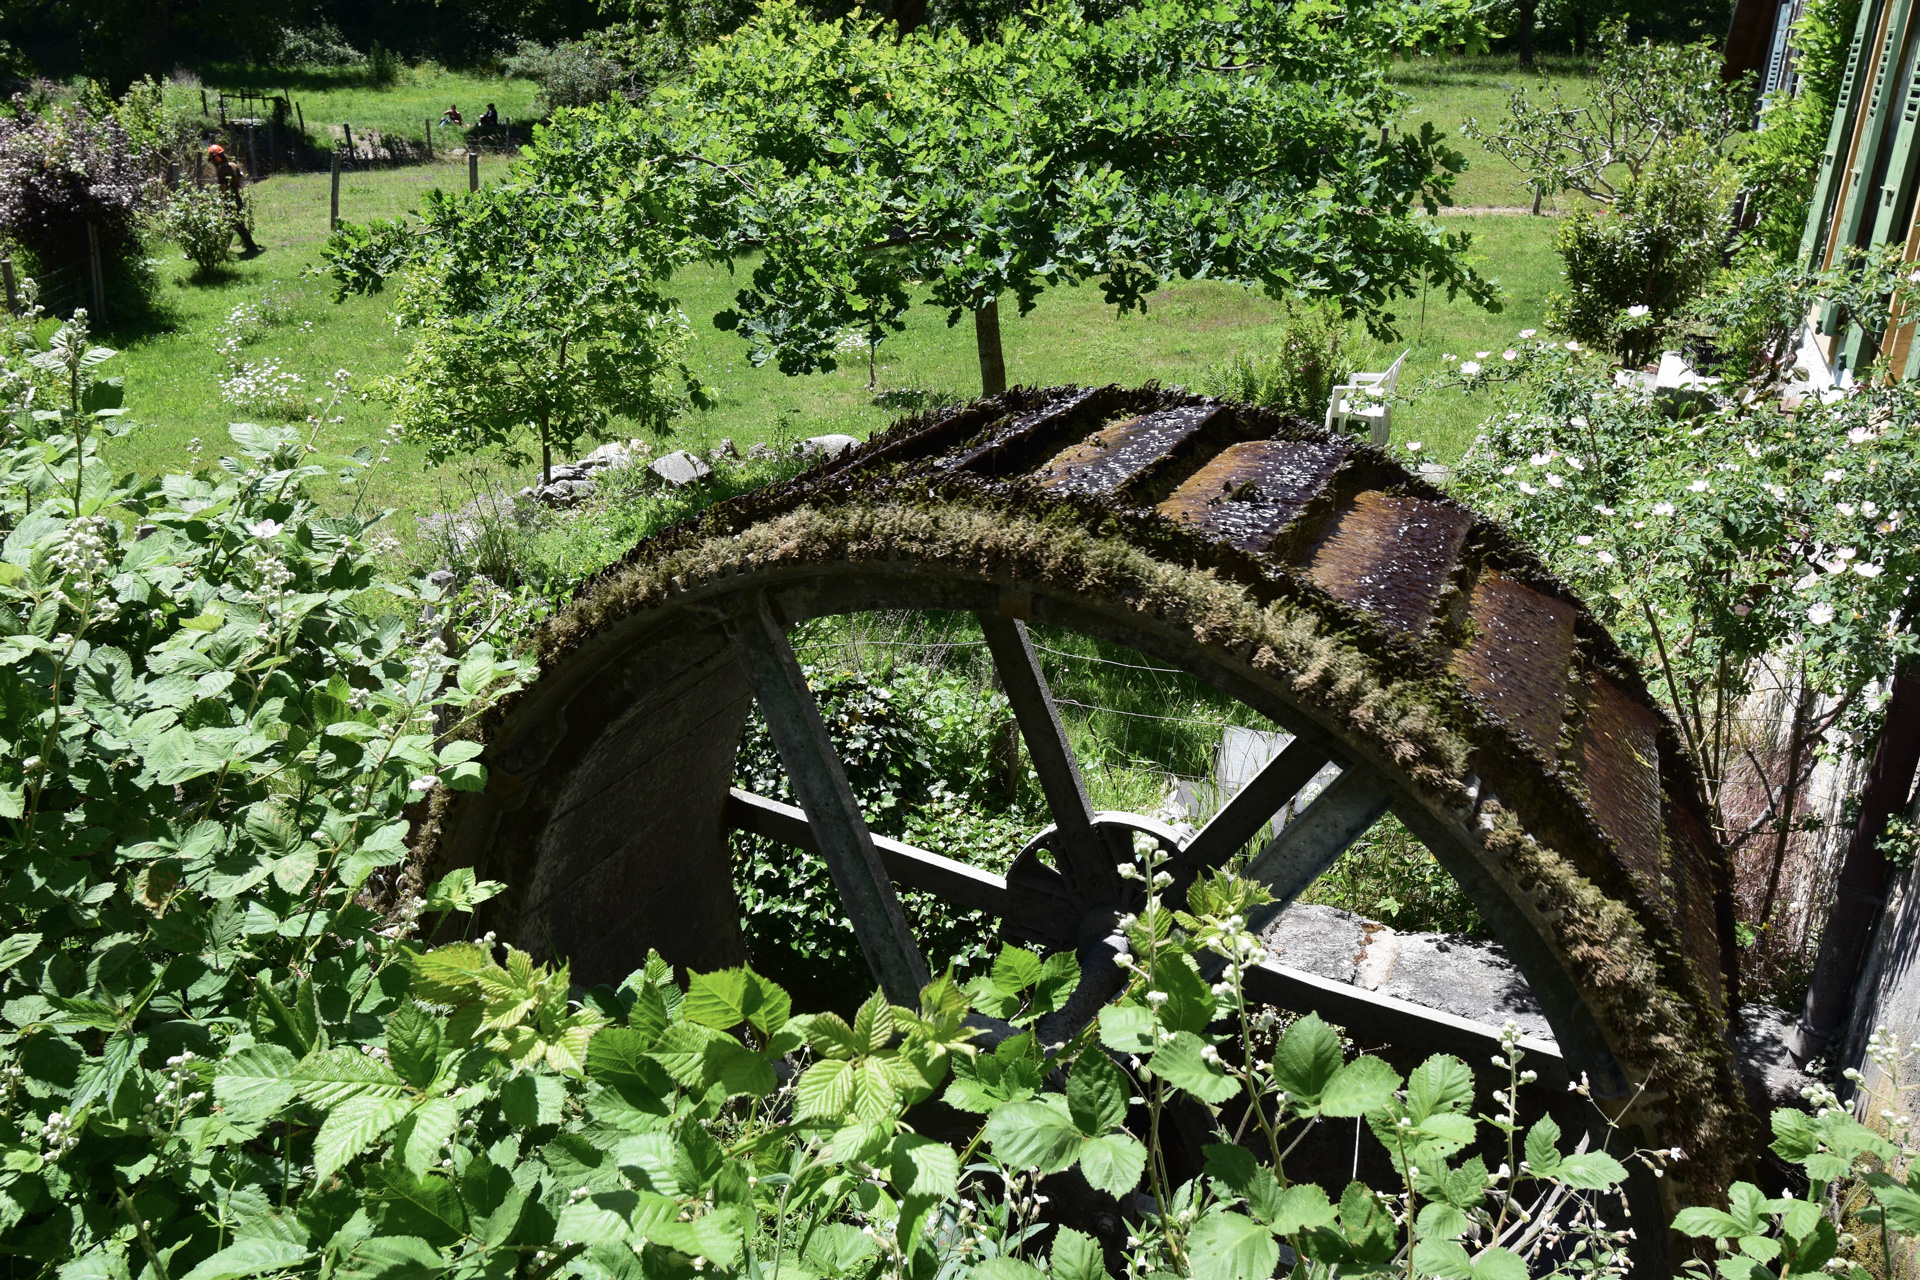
1035 1134
350 1129
529 1100
1899 1204
391 1258
1446 1259
1306 1061
1364 1085
922 1167
1543 1147
332 1076
1496 1263
1096 1094
1015 969
716 1000
1231 1246
1005 1268
1114 1163
256 1083
16 947
414 1043
402 1203
251 1257
1076 1256
1301 1207
1591 1171
1127 1028
1182 1064
837 1248
1440 1084
423 1136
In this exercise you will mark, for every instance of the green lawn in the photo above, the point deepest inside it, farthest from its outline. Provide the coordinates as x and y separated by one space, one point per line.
330 100
173 373
1448 92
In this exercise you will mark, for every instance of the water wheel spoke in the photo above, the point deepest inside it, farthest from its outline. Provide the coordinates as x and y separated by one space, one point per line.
1251 808
1083 857
1309 844
839 831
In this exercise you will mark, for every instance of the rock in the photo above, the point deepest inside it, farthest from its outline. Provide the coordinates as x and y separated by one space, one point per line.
762 450
611 454
827 446
566 471
680 468
1771 1076
441 579
1469 979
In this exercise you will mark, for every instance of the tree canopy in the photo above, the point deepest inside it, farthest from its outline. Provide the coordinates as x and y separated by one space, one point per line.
532 307
850 164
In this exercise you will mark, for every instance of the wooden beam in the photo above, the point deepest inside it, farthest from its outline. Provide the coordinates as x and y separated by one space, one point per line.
953 882
813 767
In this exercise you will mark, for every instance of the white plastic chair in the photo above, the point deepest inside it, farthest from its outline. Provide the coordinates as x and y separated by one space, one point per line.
1366 398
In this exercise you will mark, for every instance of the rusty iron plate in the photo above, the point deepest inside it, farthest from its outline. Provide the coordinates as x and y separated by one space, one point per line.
1117 455
1391 556
1518 661
1249 492
1620 761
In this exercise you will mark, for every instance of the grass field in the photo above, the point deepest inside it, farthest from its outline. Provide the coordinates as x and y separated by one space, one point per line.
330 99
1448 92
173 374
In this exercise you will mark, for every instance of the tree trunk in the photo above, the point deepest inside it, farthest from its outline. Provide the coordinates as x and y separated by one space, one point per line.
986 337
546 454
1861 893
1523 33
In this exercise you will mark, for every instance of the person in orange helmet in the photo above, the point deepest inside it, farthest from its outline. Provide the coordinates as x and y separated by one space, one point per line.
230 179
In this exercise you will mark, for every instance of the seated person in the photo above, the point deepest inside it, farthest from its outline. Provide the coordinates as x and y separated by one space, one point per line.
490 118
452 116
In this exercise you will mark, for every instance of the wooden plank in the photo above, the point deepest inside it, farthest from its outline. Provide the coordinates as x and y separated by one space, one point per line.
953 882
1082 856
1253 806
1308 845
813 767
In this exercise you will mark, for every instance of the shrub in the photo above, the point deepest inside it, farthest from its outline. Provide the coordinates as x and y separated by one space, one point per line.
1298 375
1631 268
573 73
201 220
319 45
64 168
383 64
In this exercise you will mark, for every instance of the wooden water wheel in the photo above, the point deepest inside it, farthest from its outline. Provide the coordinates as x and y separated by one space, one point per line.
1391 631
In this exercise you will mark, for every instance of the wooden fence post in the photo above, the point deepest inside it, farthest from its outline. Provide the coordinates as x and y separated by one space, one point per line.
223 110
99 278
473 170
349 132
13 296
203 102
333 223
429 123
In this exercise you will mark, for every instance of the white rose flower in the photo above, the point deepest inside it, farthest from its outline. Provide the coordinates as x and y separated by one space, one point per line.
1868 570
1698 486
1663 508
1470 367
1820 614
1509 354
1584 540
1573 346
1638 309
1528 333
1833 477
264 529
